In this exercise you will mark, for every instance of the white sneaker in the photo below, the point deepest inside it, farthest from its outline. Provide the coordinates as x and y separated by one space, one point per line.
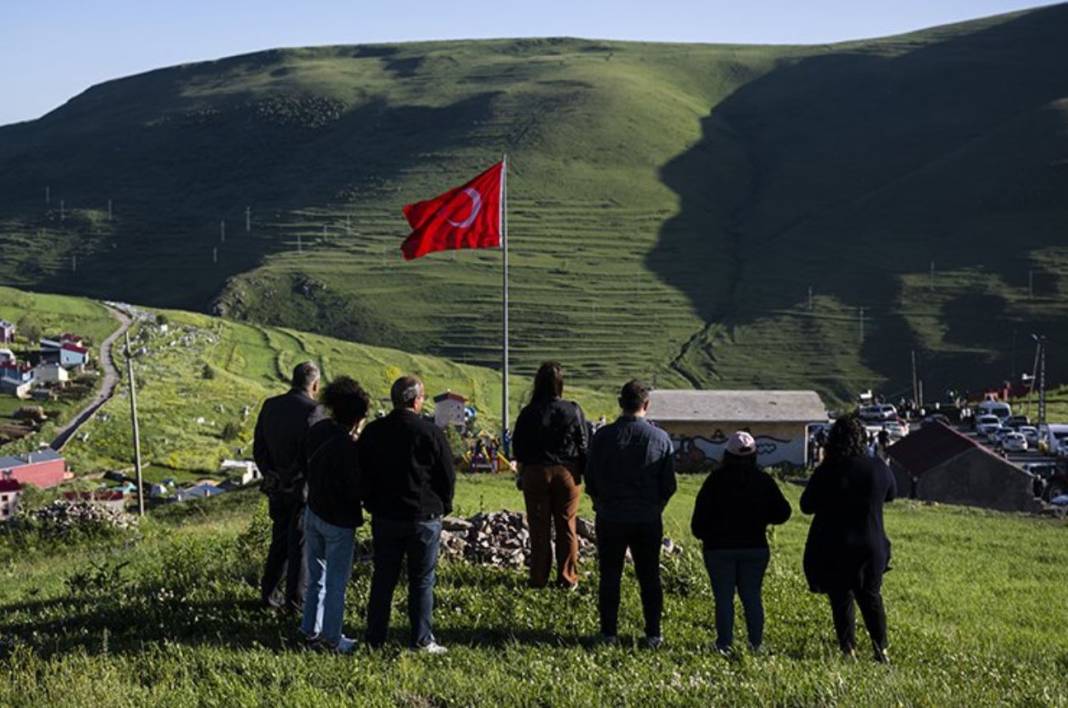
343 646
431 647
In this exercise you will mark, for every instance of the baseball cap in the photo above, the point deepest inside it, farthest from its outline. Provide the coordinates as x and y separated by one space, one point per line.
741 443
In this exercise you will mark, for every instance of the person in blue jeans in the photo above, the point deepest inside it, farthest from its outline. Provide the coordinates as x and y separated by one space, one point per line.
333 513
736 504
407 484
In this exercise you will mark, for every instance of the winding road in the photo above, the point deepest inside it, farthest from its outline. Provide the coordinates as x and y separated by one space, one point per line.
107 387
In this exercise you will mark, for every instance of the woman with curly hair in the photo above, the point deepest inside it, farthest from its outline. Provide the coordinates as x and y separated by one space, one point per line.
847 550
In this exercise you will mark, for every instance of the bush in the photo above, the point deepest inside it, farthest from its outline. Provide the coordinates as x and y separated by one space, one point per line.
207 372
230 431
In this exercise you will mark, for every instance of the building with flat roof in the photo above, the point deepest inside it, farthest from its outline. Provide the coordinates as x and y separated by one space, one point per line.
700 422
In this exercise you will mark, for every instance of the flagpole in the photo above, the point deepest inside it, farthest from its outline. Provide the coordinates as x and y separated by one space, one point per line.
505 437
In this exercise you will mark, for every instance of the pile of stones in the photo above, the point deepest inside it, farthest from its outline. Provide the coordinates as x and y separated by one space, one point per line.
62 517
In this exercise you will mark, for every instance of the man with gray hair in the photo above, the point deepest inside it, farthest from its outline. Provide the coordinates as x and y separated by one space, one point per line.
279 451
407 481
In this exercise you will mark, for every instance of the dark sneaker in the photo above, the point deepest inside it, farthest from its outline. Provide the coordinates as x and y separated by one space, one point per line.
881 656
608 640
654 642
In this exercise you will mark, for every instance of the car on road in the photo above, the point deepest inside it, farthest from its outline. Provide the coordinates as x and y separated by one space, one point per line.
1017 421
878 412
1031 433
896 429
996 408
986 426
1014 442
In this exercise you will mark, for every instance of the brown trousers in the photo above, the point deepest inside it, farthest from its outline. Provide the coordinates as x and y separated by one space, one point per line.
552 498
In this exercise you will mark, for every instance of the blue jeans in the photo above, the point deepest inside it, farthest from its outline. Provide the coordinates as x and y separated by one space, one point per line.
740 569
393 540
328 549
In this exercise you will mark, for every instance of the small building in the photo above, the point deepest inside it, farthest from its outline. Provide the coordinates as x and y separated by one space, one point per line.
51 373
7 332
241 471
73 355
939 464
449 409
700 422
197 491
7 356
10 491
42 468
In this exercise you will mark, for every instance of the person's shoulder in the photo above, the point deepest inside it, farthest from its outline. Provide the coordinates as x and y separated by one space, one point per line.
656 433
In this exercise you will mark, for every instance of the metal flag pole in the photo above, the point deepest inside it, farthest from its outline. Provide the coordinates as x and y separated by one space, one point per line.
503 223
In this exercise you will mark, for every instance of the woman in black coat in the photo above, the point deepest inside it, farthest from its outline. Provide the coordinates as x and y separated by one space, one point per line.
847 550
734 508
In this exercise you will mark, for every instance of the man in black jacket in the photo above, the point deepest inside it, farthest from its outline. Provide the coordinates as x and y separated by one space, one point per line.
630 476
407 483
279 451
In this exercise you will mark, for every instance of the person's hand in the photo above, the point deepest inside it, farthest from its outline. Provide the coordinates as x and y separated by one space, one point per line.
518 476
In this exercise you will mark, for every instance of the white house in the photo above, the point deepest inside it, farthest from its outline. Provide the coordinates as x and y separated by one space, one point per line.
7 356
9 497
73 355
7 332
449 409
244 471
700 422
47 373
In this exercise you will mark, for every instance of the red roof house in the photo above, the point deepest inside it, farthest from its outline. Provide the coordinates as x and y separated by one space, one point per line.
42 468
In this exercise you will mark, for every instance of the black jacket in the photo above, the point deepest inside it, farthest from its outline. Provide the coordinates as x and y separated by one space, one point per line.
333 475
847 534
552 432
631 471
405 468
279 443
734 507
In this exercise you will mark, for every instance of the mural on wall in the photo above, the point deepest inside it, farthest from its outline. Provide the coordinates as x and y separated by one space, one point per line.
696 452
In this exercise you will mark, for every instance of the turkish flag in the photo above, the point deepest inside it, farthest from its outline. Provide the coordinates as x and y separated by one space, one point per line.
468 216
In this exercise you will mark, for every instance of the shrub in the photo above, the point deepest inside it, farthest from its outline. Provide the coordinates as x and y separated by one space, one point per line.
231 431
207 372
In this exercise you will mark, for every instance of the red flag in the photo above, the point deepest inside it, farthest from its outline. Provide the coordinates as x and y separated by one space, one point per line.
468 216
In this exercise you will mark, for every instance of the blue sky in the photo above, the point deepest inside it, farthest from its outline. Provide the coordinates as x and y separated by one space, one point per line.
51 51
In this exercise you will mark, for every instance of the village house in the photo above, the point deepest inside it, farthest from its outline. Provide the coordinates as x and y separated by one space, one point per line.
241 472
7 356
700 422
939 464
449 409
16 379
68 350
42 469
197 491
51 373
10 490
7 332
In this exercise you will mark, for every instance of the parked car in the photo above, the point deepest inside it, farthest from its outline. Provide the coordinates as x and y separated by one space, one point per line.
1014 442
987 425
878 412
1030 432
1017 421
935 417
896 429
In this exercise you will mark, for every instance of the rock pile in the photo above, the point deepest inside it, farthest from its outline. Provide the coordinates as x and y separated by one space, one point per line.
62 517
502 539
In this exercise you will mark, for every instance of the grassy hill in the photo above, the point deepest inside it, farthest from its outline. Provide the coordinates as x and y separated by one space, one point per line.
204 372
670 205
164 616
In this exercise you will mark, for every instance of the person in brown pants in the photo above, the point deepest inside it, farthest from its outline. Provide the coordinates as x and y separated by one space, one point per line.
550 443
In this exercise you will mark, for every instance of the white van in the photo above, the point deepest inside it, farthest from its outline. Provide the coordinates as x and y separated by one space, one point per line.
996 408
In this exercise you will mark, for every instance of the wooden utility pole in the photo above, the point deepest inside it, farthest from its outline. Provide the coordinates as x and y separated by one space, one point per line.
915 387
136 430
248 219
62 210
215 254
48 195
222 231
300 247
931 287
810 298
109 210
74 263
1031 284
861 320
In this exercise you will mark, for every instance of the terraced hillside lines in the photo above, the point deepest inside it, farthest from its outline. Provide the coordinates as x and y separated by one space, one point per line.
671 205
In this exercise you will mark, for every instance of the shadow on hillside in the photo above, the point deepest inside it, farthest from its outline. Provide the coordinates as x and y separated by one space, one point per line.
843 171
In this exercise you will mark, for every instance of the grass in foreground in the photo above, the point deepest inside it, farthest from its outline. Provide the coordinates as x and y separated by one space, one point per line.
973 604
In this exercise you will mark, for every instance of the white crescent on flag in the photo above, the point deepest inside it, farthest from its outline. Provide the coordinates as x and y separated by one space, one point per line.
476 206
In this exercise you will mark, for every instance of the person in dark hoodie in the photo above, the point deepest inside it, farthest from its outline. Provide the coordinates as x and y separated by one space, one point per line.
333 512
847 550
736 504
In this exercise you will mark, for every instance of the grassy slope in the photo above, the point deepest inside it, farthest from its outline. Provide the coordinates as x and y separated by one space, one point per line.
971 613
250 362
692 192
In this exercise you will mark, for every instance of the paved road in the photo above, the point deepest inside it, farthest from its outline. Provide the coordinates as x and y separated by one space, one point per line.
107 387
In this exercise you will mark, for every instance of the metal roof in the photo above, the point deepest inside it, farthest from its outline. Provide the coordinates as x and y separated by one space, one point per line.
31 458
736 406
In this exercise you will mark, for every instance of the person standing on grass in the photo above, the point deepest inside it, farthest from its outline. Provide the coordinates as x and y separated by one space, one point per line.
847 550
279 451
736 504
407 483
630 476
333 513
550 444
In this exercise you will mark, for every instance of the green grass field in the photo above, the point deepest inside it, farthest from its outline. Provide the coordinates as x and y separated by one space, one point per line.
670 205
166 618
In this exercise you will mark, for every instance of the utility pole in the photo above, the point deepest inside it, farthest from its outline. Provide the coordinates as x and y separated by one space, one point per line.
348 224
74 263
915 386
810 298
222 231
1012 359
136 430
1031 284
48 196
920 401
109 210
1042 384
214 254
62 210
861 320
300 248
248 219
931 287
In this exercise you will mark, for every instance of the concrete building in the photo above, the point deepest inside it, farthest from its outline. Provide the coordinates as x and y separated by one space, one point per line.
939 464
47 373
449 409
43 468
241 471
700 422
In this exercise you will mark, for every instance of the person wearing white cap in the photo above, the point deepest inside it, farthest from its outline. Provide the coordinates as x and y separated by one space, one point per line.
734 508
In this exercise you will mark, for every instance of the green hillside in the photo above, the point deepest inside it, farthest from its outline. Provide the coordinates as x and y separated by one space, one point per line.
670 205
198 374
164 617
